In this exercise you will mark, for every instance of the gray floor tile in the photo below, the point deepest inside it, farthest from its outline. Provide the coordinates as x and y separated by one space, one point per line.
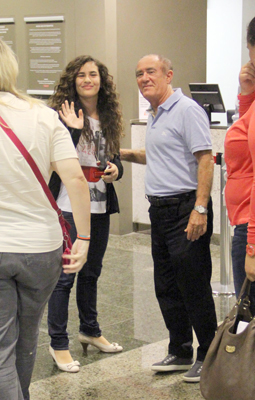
129 314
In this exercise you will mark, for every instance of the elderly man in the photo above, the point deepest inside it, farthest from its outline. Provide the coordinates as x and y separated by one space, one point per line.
178 181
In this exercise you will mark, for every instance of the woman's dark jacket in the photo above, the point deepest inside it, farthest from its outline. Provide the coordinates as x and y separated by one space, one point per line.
112 205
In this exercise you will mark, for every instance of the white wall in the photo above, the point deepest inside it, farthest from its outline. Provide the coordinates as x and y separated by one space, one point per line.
248 14
227 22
224 49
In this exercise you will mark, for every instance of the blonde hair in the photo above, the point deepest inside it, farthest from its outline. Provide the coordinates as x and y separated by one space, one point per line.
9 71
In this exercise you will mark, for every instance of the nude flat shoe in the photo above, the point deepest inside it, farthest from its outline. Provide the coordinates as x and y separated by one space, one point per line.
74 366
106 348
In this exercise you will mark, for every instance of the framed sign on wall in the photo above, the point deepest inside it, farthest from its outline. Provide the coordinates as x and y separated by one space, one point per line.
46 55
7 31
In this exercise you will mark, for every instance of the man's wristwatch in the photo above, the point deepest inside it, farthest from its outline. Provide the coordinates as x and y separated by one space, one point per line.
201 209
250 250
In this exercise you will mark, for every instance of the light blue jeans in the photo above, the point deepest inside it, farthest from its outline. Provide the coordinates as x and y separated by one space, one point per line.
26 283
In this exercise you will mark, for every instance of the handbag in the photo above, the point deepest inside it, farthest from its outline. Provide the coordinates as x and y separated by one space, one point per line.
65 226
228 371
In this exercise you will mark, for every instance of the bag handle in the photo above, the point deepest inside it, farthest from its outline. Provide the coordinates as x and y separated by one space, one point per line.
31 163
242 304
245 290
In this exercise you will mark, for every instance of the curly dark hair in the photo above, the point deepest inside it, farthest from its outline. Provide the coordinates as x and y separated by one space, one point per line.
251 32
108 107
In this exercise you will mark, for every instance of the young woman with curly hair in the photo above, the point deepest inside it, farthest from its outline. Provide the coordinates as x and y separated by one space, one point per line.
87 104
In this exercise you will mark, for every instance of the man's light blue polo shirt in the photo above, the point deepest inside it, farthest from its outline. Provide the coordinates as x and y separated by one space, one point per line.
180 128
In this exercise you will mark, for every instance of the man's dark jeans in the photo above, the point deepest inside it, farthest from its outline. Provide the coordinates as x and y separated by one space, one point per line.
182 273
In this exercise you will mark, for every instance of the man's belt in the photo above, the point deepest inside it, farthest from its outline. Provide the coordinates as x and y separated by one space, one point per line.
161 201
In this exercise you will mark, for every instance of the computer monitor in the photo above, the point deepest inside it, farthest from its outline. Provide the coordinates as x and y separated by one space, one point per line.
208 96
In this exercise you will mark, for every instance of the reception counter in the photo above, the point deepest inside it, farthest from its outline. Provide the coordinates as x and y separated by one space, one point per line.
140 203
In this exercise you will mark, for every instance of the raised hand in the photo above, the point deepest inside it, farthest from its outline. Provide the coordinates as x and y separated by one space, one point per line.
69 116
247 78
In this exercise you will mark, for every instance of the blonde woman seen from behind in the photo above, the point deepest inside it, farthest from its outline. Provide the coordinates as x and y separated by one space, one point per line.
31 240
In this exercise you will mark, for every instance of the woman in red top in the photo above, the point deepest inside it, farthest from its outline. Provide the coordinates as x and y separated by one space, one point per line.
240 162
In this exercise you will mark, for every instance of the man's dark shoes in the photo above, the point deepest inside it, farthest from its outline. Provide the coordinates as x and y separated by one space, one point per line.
173 363
193 375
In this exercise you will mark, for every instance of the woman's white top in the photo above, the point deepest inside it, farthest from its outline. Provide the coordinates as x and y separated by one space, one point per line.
28 223
89 154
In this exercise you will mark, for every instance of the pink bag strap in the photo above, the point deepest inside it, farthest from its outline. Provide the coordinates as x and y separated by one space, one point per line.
32 164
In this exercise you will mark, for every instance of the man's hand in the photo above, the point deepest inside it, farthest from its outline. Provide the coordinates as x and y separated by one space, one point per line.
197 225
247 78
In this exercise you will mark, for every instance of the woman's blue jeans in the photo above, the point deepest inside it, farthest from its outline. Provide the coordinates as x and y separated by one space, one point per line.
86 291
238 261
238 256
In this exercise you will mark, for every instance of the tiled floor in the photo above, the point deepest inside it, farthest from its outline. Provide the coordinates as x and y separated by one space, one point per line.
128 314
